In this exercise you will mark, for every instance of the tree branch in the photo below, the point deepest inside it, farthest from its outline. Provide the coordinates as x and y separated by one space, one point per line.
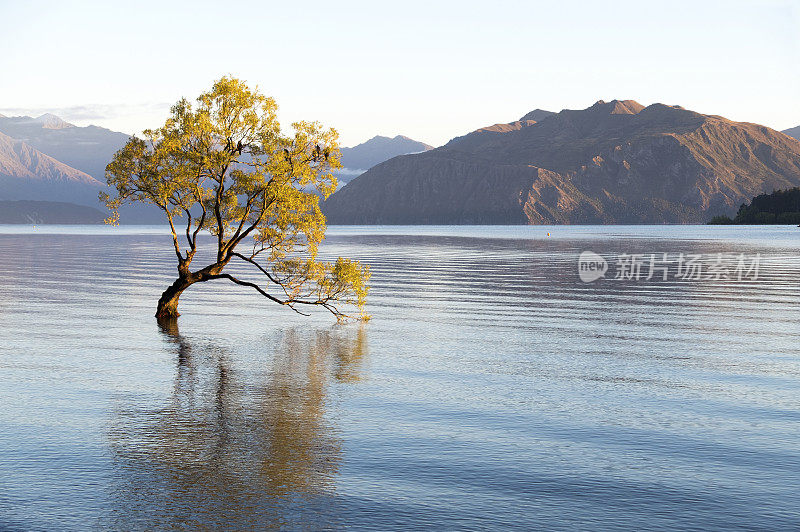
188 227
199 199
218 212
257 265
174 237
324 303
235 242
255 287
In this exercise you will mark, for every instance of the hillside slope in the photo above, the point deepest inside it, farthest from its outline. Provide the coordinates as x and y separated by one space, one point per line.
88 149
614 162
48 212
28 174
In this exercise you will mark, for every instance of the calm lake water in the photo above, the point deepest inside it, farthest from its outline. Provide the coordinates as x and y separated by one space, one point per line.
492 388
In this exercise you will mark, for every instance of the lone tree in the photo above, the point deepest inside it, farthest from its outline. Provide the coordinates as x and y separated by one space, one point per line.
225 167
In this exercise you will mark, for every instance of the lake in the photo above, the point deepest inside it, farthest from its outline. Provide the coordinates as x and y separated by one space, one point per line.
492 389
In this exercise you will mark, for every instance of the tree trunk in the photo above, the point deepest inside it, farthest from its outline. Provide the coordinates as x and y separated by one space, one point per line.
168 304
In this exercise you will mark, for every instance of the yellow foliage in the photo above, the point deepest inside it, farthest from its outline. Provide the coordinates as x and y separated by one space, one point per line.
224 166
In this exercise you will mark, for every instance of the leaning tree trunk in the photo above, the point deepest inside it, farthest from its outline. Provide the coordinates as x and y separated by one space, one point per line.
168 304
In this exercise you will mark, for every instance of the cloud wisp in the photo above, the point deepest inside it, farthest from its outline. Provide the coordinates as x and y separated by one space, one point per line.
91 111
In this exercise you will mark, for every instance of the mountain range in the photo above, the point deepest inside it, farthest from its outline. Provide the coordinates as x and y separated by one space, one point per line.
45 158
613 162
360 158
28 174
87 149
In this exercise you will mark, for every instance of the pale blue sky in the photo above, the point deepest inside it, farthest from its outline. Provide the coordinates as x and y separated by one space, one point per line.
430 70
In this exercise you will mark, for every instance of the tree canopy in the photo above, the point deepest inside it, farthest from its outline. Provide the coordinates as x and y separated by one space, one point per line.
224 166
779 207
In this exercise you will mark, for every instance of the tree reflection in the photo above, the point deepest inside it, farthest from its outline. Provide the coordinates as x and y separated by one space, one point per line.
237 447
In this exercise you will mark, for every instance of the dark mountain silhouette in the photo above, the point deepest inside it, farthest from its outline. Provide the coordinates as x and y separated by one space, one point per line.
48 212
793 132
614 162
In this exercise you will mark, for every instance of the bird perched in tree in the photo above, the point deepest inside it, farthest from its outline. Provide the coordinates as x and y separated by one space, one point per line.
288 158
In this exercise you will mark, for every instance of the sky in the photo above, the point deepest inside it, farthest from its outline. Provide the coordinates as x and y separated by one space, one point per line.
430 70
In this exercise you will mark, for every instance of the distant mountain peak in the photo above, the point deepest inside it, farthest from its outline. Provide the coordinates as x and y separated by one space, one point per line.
403 137
537 115
618 107
374 151
20 160
398 140
793 132
378 139
51 121
85 148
